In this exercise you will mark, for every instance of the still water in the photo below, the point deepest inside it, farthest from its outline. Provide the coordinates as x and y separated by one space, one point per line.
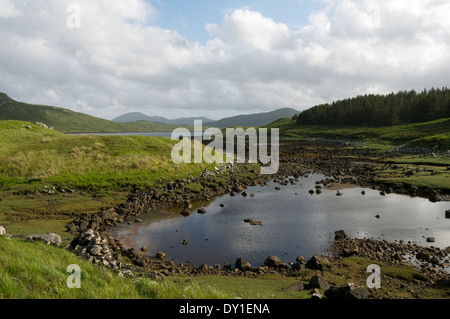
294 223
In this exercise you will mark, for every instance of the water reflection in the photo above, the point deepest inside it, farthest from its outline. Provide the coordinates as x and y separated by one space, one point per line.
294 223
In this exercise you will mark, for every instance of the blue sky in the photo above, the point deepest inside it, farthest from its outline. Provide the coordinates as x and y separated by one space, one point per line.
188 17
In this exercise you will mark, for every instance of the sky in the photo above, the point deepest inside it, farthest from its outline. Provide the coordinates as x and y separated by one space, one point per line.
180 58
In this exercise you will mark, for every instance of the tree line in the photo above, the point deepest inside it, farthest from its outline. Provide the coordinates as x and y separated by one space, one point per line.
381 110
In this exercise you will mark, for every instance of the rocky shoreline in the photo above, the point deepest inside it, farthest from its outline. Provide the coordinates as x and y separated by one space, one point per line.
94 241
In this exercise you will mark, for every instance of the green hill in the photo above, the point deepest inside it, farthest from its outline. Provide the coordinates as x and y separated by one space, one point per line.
65 120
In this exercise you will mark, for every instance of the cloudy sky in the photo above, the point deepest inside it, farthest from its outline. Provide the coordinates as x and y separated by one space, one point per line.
214 58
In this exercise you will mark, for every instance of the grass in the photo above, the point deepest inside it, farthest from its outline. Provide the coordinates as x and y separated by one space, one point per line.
65 120
47 175
426 134
38 271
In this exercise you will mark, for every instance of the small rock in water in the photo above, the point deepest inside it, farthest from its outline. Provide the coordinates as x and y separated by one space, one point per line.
430 239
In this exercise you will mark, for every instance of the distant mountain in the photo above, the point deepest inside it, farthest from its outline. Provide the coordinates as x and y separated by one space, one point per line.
254 120
137 116
65 120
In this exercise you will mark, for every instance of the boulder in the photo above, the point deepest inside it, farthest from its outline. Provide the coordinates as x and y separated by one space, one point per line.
125 273
242 264
201 211
347 291
2 231
421 255
316 262
49 238
297 286
447 213
431 239
318 282
156 276
273 262
185 212
339 234
160 255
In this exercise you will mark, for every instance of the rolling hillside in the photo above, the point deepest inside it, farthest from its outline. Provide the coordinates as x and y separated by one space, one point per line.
65 120
137 116
254 120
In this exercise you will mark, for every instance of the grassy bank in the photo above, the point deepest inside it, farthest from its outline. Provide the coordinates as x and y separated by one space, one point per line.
37 271
427 134
47 177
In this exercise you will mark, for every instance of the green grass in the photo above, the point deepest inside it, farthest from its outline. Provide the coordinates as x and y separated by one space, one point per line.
426 134
37 271
65 120
39 157
404 273
94 171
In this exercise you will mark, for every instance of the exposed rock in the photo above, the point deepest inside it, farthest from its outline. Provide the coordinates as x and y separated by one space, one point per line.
125 273
2 231
297 286
339 234
256 223
242 264
431 239
201 210
185 212
316 295
160 255
347 291
318 282
316 262
447 213
44 125
272 261
248 220
156 276
49 238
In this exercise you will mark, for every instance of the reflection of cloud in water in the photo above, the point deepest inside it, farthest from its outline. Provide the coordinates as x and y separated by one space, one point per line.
293 225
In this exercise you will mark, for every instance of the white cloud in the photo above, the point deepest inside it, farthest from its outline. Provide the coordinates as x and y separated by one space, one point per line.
8 9
118 61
